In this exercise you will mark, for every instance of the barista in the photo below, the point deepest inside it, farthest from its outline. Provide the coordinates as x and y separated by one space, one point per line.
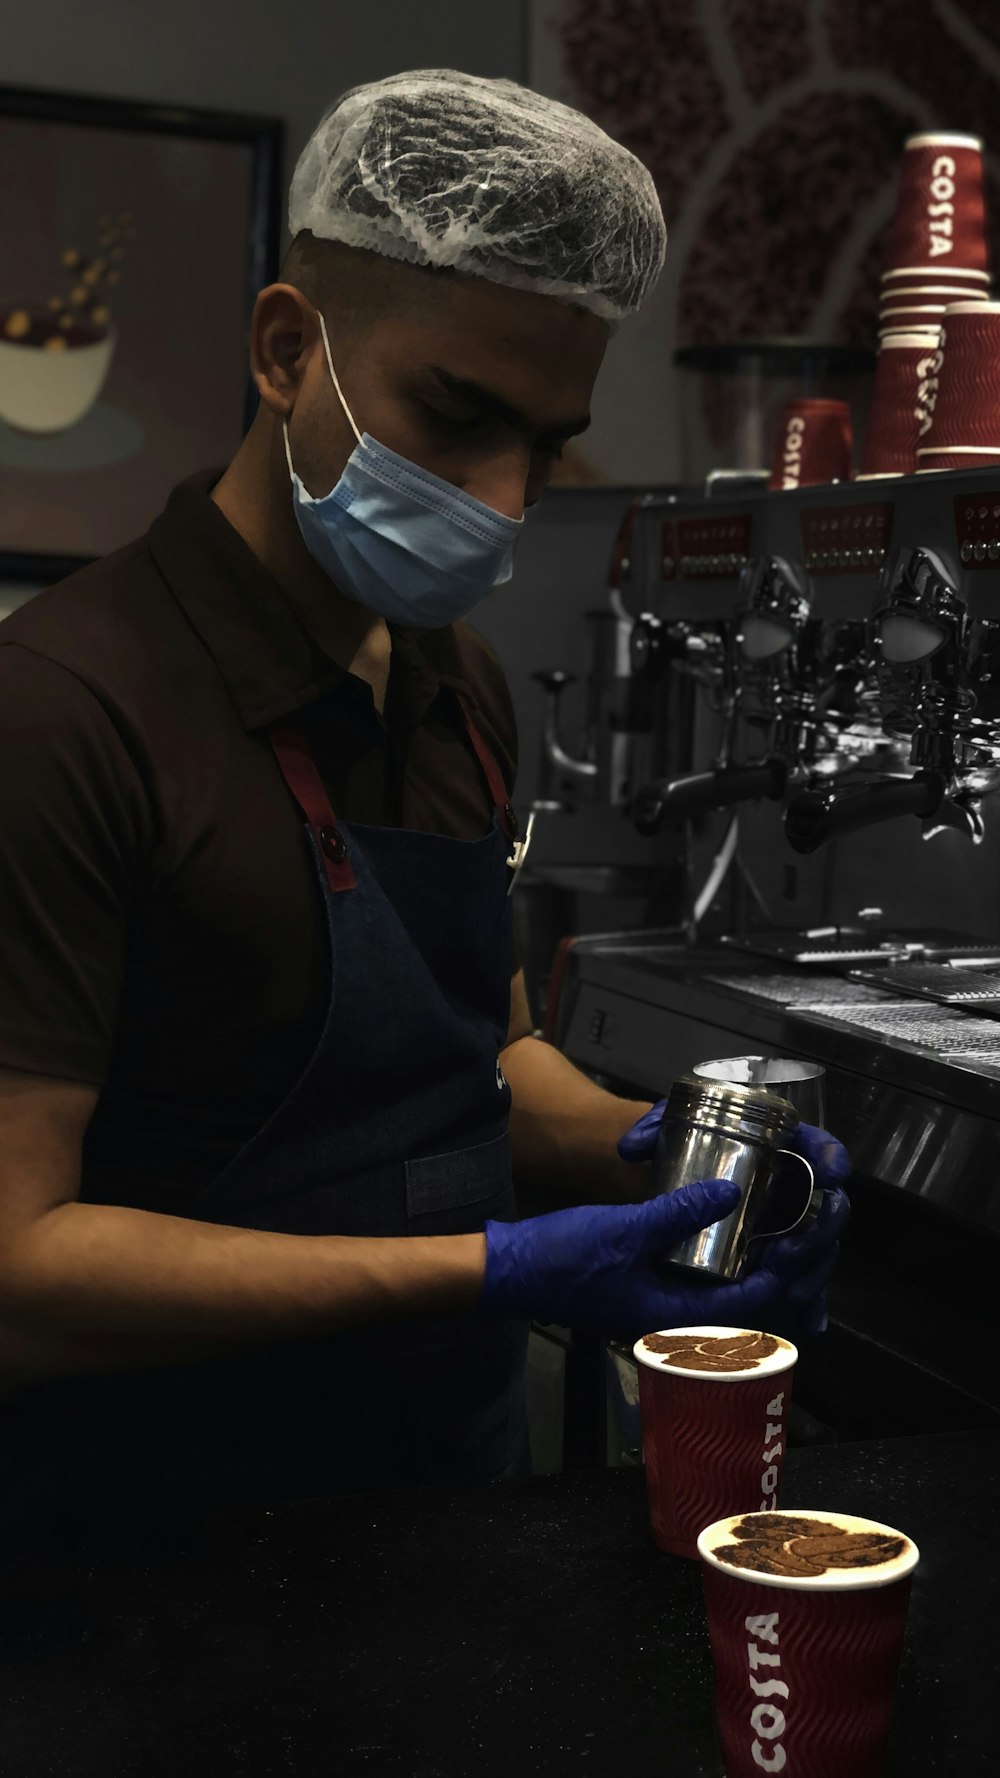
266 1058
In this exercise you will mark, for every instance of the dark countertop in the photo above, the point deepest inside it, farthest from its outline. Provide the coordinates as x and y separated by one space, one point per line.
525 1629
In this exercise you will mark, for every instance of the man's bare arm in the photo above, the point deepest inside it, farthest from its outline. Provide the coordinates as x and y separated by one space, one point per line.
92 1287
564 1129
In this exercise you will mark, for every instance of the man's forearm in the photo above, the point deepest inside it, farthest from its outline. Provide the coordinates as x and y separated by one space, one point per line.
92 1287
565 1129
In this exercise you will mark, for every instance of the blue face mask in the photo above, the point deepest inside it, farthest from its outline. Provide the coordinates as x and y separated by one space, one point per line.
399 540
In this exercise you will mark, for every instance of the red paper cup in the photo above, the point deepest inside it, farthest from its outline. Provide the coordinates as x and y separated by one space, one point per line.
966 277
928 336
712 1443
978 457
805 1668
925 317
940 212
916 306
814 444
905 361
931 292
966 412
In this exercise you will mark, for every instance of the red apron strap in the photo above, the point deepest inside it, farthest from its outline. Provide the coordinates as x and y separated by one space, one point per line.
299 770
494 776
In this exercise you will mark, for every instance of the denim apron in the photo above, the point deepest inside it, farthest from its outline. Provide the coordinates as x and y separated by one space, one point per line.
398 1126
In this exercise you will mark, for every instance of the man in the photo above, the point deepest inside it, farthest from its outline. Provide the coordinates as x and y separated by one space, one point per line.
264 1062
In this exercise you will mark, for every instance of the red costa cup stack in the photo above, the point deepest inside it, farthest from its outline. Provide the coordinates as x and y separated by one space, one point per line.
937 242
814 444
960 426
806 1617
906 362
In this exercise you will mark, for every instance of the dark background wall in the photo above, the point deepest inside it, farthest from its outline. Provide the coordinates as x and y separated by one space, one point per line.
722 99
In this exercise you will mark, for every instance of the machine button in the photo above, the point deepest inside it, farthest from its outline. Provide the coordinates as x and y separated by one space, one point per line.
980 552
596 1026
994 548
966 552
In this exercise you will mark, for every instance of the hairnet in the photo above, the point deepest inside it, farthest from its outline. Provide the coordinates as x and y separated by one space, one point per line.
447 169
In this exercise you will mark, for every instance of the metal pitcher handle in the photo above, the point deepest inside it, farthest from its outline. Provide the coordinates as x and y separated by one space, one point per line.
813 1206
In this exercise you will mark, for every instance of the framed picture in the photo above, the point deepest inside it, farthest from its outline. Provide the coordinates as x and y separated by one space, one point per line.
133 240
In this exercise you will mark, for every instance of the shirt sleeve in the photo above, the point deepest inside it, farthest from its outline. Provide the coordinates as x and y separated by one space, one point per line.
72 816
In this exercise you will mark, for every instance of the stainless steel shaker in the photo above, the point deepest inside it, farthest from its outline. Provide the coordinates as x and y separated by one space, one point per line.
714 1129
801 1083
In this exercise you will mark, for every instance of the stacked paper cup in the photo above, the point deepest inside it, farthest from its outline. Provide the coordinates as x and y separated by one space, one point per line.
960 418
936 259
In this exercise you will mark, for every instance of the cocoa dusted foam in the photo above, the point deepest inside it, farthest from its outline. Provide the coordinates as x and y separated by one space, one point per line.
798 1546
708 1352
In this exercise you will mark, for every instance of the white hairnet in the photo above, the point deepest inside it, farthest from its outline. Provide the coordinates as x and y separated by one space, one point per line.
447 169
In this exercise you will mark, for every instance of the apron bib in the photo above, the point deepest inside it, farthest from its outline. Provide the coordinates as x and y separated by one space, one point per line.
397 1126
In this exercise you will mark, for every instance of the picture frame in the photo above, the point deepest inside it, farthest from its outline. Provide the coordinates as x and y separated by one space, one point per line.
134 238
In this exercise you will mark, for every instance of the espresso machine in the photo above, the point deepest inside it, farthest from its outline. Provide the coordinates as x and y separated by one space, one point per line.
834 652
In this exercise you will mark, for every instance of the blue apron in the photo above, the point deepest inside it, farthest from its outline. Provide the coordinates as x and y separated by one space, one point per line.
398 1126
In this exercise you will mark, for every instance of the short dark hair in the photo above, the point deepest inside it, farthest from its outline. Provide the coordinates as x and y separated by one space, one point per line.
354 284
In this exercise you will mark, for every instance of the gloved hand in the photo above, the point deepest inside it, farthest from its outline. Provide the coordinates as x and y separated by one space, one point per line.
800 1264
592 1267
639 1143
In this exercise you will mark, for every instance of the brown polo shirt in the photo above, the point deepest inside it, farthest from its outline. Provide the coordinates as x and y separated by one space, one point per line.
162 935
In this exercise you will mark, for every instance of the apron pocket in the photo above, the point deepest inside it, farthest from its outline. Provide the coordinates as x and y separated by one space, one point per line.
455 1194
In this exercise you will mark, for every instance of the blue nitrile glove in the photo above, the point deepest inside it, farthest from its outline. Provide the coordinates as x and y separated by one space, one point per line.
592 1267
639 1143
801 1263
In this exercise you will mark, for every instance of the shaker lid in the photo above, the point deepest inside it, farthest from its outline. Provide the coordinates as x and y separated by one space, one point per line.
733 1109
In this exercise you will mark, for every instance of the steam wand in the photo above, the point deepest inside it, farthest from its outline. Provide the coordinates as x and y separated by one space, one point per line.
555 759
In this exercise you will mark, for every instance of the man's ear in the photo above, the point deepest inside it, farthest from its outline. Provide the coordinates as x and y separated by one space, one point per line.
284 332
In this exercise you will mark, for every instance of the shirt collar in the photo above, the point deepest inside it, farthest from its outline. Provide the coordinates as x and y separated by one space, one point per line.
271 663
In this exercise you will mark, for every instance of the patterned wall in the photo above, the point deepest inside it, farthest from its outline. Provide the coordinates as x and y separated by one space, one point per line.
773 129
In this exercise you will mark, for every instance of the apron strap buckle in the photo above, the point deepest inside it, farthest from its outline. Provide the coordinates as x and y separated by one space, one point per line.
301 774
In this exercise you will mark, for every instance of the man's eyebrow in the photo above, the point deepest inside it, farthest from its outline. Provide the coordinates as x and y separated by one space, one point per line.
489 402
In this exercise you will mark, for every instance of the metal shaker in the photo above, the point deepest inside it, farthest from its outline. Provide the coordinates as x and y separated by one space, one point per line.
713 1129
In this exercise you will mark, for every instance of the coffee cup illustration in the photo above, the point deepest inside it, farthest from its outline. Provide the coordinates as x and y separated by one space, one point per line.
47 391
55 356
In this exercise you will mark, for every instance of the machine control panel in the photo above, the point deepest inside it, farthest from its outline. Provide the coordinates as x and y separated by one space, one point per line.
713 547
846 539
977 529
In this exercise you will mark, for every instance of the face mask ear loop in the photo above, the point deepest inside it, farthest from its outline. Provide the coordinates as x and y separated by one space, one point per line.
336 384
288 448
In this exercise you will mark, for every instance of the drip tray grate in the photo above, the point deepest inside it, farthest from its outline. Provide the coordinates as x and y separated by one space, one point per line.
800 990
938 1029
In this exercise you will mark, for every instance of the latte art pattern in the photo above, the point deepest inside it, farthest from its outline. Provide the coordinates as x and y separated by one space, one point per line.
782 1543
708 1352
